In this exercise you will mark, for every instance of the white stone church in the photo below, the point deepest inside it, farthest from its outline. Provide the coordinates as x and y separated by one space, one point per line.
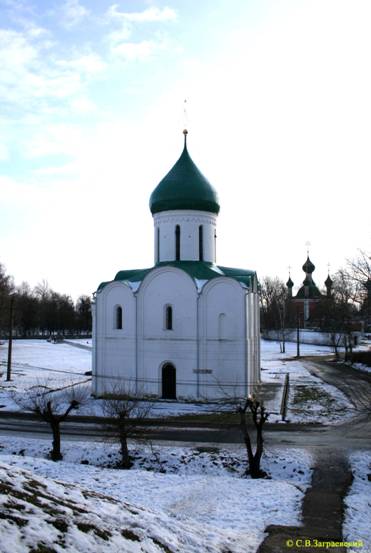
186 327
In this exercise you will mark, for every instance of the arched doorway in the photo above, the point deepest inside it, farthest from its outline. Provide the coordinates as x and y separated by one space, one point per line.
168 381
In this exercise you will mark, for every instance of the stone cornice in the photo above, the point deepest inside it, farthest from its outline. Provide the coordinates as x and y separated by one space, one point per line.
184 217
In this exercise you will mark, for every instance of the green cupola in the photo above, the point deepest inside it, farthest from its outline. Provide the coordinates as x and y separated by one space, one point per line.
184 187
308 266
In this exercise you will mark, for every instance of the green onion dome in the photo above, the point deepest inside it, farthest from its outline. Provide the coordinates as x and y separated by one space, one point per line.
184 187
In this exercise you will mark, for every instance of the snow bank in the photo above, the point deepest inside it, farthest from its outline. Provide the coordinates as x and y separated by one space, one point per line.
201 501
358 505
43 514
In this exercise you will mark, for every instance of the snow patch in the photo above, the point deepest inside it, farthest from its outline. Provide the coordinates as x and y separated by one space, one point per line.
358 505
194 499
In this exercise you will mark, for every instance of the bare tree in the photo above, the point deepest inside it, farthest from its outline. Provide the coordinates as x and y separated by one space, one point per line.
345 289
275 307
360 267
341 313
337 339
126 409
359 271
6 287
53 407
248 408
259 416
42 289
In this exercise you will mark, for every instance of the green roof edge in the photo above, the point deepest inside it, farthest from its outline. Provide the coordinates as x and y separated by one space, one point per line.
200 270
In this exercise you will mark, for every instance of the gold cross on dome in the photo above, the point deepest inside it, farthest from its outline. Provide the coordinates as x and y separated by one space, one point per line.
185 115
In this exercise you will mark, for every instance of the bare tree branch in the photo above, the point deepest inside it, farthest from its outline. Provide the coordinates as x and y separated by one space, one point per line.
259 417
126 409
52 406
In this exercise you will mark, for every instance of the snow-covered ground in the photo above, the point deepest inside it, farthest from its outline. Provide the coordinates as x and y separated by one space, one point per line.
364 345
58 365
202 491
361 367
41 515
188 500
358 502
40 362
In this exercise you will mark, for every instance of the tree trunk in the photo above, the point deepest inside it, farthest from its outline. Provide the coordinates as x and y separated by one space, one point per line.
335 346
346 347
247 441
55 453
350 347
125 457
259 418
255 470
283 341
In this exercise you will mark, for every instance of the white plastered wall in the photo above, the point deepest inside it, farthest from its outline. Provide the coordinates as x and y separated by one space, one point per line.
222 338
216 330
189 222
167 286
114 349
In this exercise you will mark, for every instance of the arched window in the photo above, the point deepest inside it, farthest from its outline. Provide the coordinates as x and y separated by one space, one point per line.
168 317
201 242
158 244
222 326
177 243
118 322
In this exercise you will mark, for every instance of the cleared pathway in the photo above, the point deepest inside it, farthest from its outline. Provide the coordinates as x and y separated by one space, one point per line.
323 505
322 510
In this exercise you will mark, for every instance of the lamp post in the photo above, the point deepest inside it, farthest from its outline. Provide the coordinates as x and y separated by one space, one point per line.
298 335
10 342
368 315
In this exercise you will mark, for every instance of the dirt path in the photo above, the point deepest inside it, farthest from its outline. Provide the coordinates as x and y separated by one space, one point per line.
356 385
322 510
351 435
322 514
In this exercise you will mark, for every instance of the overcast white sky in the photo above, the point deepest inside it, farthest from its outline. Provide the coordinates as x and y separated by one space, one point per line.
91 119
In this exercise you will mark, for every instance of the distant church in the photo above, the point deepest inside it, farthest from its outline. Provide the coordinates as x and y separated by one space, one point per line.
308 296
186 327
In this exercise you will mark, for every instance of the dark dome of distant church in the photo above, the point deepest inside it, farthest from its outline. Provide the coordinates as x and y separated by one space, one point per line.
184 187
308 266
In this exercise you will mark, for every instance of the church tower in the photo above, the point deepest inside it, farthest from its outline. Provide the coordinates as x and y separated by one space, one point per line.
184 206
328 283
290 286
308 294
